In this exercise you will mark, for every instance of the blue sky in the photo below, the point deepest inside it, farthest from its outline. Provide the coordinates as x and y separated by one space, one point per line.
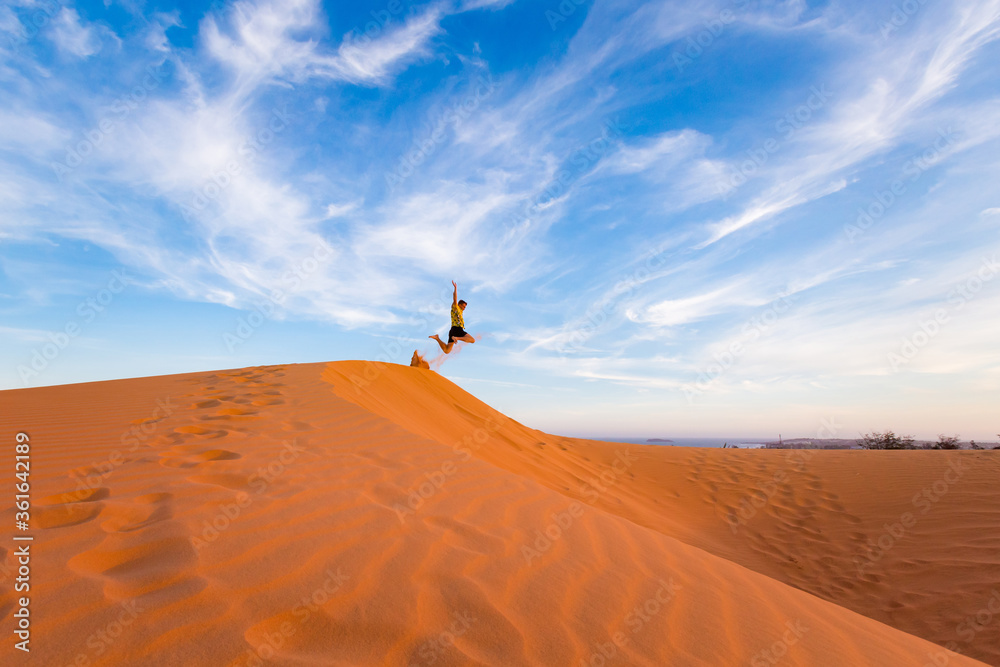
695 218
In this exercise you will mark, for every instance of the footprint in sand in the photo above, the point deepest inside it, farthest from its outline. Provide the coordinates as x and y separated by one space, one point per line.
264 402
146 420
225 480
76 496
298 427
60 516
238 412
379 460
194 429
319 638
69 508
189 456
459 535
144 511
143 551
137 563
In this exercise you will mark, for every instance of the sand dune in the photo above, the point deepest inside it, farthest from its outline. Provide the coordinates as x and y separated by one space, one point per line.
371 514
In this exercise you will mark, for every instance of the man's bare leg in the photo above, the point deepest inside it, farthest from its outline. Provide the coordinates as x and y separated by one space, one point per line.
445 347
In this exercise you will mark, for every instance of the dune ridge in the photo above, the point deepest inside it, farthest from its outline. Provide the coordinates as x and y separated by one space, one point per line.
356 513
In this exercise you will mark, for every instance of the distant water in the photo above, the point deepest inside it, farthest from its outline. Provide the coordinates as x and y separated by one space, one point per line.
690 442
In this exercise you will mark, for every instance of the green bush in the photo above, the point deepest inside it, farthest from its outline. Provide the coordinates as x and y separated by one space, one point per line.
946 442
887 440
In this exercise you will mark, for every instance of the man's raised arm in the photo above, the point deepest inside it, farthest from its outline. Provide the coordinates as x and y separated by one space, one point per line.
454 297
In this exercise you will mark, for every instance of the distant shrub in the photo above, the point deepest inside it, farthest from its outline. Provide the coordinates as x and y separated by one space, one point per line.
887 440
946 442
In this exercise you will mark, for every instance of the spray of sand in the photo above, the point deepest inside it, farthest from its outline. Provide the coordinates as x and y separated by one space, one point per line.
421 360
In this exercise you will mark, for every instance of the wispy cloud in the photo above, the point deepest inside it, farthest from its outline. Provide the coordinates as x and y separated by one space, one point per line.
264 43
896 80
72 37
343 171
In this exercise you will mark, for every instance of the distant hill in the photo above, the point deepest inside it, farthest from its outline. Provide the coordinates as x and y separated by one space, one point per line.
852 443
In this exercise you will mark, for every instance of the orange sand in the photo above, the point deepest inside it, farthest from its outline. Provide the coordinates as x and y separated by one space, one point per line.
374 514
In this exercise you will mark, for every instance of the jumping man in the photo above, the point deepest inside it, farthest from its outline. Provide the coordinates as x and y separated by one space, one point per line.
458 331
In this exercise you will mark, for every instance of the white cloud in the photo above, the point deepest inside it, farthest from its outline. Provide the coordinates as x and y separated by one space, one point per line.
361 61
493 5
9 22
904 77
673 312
252 230
454 214
779 198
255 228
445 231
72 37
263 44
665 151
156 38
340 210
26 335
29 134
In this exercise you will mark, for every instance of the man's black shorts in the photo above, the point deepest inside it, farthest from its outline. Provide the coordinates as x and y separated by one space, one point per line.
456 332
